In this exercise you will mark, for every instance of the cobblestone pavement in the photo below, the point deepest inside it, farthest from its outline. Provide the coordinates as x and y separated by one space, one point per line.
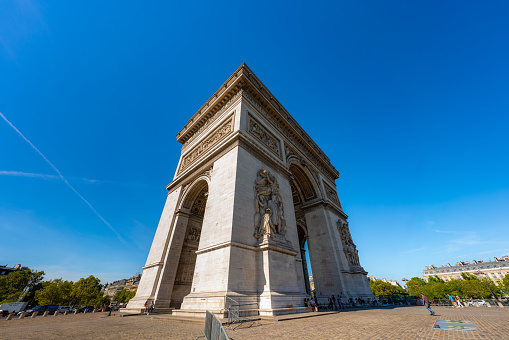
382 323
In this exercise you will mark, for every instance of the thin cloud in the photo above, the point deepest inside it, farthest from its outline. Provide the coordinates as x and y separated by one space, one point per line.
27 174
414 250
55 177
445 231
64 179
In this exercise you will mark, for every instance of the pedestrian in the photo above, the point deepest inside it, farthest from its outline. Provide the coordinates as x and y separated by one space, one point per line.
340 304
146 307
308 302
458 302
313 305
426 304
151 308
333 301
330 303
452 300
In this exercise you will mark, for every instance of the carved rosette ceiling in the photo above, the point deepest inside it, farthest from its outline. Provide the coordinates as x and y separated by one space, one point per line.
349 248
260 133
208 142
269 217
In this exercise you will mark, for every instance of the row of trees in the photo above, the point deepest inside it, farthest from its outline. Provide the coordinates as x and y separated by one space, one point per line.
379 288
469 287
28 286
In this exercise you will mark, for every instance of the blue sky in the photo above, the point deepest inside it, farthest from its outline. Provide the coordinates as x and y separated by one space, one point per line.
408 99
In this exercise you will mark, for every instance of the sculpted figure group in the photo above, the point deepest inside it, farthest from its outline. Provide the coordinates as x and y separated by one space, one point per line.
269 218
349 247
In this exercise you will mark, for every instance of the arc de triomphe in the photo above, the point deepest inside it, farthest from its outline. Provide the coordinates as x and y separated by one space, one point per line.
251 188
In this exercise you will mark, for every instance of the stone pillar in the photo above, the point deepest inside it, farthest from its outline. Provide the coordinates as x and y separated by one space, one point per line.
10 316
45 313
162 296
323 254
153 269
22 315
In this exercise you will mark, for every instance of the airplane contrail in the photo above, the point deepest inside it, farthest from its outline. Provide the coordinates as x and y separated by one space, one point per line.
63 178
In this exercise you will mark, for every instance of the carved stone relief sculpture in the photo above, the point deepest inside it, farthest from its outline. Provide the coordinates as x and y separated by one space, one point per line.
269 217
349 247
264 136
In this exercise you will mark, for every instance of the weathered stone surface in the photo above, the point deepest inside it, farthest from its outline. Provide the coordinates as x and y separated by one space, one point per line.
251 188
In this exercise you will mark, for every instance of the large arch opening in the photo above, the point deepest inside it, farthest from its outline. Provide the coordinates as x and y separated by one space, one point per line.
303 191
194 205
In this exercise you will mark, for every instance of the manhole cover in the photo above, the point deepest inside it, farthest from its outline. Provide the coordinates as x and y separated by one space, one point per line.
456 325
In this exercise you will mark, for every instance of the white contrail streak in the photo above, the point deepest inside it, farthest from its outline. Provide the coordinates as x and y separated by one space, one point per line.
63 178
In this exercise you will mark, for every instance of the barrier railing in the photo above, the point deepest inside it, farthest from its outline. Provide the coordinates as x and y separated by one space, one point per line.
213 329
241 312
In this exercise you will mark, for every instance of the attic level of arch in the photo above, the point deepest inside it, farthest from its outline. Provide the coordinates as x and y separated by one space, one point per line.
244 83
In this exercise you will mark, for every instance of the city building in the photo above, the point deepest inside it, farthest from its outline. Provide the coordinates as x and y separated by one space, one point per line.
495 270
392 282
4 270
110 289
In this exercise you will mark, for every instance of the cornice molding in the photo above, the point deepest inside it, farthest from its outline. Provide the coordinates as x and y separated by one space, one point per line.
243 79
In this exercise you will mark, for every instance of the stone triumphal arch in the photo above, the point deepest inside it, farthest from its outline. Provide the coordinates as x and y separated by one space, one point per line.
250 191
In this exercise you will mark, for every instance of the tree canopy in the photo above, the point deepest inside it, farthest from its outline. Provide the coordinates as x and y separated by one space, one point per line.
19 284
470 287
124 296
379 288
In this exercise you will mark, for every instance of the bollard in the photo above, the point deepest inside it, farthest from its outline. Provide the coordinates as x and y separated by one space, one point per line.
9 317
66 312
45 313
22 315
76 310
95 310
56 313
85 310
34 314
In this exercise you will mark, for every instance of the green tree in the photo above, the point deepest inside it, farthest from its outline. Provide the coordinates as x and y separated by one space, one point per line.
103 301
124 296
505 283
18 284
87 291
384 288
416 286
55 292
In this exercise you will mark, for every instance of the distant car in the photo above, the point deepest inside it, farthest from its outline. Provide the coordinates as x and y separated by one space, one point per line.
41 309
80 309
4 313
63 309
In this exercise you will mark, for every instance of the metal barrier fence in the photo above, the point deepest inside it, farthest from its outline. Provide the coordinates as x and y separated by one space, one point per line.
472 303
241 312
213 329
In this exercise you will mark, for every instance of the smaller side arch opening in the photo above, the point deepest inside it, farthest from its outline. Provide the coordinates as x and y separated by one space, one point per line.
193 205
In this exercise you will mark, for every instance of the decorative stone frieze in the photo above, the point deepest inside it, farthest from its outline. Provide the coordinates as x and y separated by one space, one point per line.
215 137
331 194
257 130
284 131
212 117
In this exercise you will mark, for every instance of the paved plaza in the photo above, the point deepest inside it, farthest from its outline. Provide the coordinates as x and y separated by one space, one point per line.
381 323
